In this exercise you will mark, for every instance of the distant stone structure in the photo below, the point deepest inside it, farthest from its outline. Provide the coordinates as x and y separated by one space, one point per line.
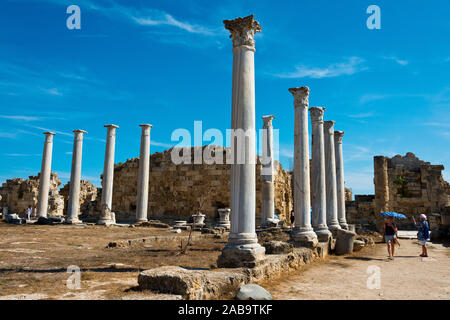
179 190
18 194
404 184
88 195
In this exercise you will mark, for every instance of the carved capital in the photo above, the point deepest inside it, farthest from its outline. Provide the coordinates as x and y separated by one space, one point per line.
243 30
338 136
316 114
328 127
301 96
268 120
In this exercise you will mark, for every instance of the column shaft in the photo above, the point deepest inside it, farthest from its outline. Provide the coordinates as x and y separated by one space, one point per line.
243 248
319 213
144 171
330 171
267 172
340 178
44 179
75 176
303 233
107 216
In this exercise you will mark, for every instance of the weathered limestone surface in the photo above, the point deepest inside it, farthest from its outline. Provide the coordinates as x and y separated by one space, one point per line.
404 184
344 241
18 194
175 190
219 283
268 195
88 195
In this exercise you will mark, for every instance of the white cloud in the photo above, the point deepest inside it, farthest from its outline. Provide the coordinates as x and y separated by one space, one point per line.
161 144
22 155
362 115
22 118
397 60
349 67
437 124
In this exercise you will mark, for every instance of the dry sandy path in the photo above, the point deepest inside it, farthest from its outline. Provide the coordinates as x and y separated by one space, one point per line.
408 276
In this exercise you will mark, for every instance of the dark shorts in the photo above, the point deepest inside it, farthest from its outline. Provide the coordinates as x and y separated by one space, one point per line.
292 219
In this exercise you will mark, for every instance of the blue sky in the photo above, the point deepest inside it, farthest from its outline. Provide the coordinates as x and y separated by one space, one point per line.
169 63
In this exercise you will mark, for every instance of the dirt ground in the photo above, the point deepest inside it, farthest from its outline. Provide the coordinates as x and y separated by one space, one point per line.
34 260
408 276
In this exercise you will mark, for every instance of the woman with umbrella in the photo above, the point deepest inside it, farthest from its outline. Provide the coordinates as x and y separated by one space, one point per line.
390 231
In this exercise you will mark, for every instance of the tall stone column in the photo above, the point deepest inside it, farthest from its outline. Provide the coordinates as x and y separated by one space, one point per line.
319 204
44 178
340 179
107 217
75 176
267 173
330 172
144 171
303 233
242 248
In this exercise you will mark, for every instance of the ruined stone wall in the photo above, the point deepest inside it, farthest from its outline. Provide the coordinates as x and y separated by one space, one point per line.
403 184
88 194
18 194
413 186
180 190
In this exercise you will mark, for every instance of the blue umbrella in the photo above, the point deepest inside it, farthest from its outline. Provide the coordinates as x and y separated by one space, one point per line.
392 214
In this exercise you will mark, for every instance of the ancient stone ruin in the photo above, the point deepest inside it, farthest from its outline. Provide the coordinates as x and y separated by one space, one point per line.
182 190
18 194
404 184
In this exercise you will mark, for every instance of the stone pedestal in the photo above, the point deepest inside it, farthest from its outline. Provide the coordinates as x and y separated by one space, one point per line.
242 248
344 241
73 206
303 234
330 173
319 213
144 171
340 181
224 217
199 220
107 217
44 179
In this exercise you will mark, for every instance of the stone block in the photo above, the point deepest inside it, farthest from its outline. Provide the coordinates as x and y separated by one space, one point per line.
277 247
253 292
358 245
344 242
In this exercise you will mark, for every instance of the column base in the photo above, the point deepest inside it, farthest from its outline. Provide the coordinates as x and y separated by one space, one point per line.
105 222
73 221
242 250
139 221
344 225
270 223
304 237
334 228
322 232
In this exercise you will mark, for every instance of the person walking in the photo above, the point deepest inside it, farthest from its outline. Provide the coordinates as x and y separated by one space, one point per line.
29 213
389 235
423 235
292 218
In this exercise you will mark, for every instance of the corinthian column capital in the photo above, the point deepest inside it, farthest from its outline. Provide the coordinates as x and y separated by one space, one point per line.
301 96
317 114
268 120
328 127
243 31
338 136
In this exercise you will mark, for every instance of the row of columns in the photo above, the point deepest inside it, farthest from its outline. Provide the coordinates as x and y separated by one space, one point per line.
328 194
106 217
